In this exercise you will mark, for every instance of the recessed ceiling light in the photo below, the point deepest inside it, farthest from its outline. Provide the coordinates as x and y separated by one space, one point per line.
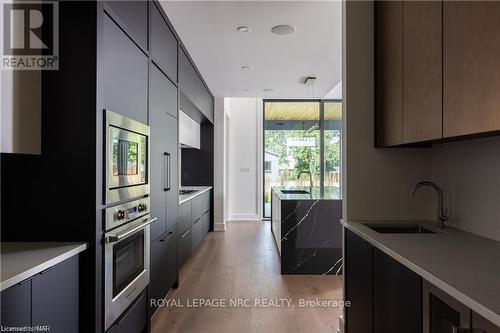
245 68
243 28
268 90
283 29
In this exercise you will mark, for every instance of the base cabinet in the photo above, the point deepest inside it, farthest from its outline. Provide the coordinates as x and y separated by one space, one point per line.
164 270
50 298
397 300
134 319
185 246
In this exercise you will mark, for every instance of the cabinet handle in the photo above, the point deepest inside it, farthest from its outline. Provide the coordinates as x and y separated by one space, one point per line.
166 237
166 171
184 234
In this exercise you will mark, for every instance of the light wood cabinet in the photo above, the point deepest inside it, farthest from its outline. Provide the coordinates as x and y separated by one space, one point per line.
471 77
422 71
389 78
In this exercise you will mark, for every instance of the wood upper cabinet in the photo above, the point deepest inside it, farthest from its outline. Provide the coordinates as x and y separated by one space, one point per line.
389 69
422 71
471 67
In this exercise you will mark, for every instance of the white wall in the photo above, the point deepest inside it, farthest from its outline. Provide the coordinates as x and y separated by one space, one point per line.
469 173
219 165
376 182
244 159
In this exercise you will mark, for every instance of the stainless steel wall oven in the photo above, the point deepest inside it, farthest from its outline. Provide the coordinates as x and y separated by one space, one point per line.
126 256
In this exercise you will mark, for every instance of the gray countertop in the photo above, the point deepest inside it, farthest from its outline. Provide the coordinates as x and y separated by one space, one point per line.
200 189
329 193
20 261
465 266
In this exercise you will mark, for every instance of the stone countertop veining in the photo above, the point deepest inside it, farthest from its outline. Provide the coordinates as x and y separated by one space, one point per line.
464 265
329 193
185 197
22 260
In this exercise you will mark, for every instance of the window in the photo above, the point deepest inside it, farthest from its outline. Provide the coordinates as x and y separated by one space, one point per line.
267 166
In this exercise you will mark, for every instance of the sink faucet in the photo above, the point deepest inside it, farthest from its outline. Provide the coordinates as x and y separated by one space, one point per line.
310 179
442 213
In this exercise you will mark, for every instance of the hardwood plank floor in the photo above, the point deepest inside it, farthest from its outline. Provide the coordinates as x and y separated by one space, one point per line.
243 263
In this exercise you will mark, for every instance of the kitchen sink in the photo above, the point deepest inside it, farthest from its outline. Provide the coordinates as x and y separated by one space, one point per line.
398 228
294 192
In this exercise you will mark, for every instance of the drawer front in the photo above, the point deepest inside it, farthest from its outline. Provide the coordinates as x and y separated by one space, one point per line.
201 205
163 265
206 223
185 246
185 220
134 320
197 233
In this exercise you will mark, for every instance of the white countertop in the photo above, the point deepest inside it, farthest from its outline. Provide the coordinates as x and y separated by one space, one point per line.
20 261
200 189
465 266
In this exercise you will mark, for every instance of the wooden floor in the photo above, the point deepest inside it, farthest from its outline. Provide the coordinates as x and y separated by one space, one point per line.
243 263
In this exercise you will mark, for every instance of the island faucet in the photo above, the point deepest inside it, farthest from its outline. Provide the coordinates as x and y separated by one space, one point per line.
310 179
442 214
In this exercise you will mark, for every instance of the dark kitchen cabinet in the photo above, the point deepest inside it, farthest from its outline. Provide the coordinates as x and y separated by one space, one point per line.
163 266
358 283
185 246
54 295
16 305
50 298
389 69
397 296
482 325
422 71
201 205
206 223
471 67
197 233
192 88
134 319
163 155
185 219
133 18
122 60
163 44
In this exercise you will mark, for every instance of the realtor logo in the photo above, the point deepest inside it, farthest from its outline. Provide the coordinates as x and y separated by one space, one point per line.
29 35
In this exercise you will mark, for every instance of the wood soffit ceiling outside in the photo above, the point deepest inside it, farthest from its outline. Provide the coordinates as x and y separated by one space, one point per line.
301 111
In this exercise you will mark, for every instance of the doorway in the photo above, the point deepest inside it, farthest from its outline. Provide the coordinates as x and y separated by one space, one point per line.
302 145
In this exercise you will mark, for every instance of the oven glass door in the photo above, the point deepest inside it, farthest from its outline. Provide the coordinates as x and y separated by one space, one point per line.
128 261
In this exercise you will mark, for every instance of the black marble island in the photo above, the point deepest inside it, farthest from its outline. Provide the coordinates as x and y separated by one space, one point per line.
306 226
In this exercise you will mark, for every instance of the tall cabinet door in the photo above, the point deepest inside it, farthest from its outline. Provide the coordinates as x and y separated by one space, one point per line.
471 71
164 180
422 71
389 67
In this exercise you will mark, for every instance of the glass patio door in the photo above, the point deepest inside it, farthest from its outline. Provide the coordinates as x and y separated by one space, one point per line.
301 137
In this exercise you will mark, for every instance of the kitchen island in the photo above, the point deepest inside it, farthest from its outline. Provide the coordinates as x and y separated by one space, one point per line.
306 226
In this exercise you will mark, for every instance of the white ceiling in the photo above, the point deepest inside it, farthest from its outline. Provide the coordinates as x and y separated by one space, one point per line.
208 30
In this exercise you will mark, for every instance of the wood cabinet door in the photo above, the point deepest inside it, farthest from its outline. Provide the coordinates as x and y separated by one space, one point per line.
389 72
397 296
358 284
471 67
422 71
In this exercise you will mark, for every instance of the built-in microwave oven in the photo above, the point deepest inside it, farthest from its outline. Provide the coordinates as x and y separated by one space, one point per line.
127 158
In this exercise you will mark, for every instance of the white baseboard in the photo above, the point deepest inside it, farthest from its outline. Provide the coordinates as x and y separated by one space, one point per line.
220 226
245 217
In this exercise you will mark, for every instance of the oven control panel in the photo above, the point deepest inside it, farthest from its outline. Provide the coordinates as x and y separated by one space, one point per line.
123 213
